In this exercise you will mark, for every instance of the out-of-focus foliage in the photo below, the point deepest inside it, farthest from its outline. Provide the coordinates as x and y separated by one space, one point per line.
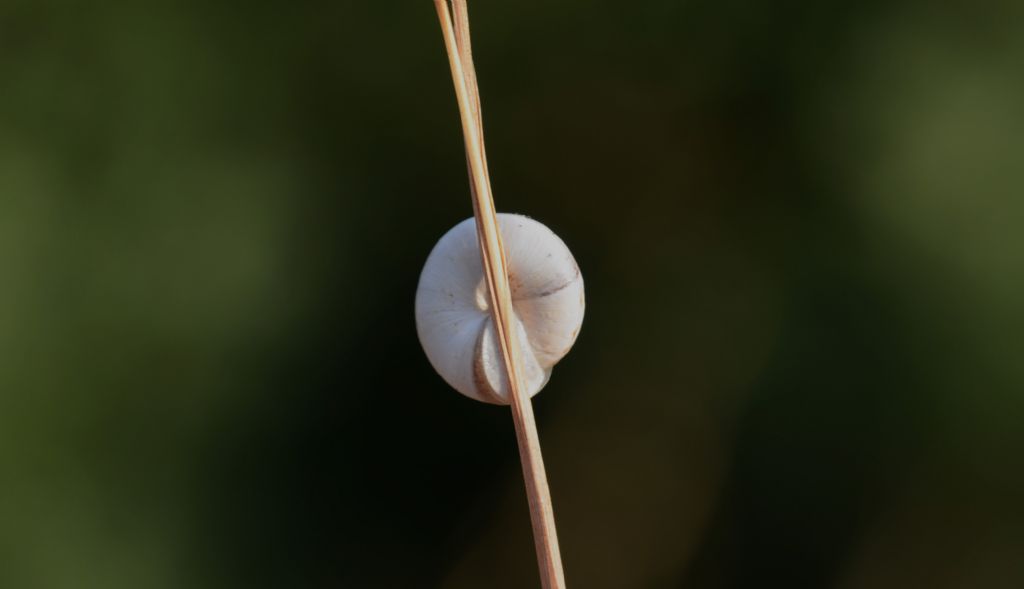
802 230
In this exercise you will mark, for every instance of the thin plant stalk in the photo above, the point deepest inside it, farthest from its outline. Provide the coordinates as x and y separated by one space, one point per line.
457 44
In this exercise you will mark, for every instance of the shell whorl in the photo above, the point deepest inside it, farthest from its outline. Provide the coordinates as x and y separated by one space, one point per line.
454 323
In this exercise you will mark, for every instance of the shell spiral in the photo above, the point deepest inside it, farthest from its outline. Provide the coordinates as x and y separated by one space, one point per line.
454 323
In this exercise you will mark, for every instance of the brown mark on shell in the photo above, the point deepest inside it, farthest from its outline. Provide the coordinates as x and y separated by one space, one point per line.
547 292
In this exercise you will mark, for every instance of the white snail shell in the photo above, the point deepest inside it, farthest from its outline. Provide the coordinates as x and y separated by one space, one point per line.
455 326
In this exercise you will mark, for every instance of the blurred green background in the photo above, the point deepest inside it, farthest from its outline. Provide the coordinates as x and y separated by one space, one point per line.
801 226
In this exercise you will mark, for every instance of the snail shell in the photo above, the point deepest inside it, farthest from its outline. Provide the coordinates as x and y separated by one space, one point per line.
453 320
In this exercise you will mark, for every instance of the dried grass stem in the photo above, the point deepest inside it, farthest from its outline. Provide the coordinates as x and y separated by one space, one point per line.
460 57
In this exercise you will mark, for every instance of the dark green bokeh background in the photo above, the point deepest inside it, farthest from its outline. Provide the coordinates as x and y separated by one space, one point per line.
802 230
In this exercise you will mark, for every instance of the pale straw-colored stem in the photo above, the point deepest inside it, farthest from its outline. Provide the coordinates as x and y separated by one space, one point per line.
456 39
